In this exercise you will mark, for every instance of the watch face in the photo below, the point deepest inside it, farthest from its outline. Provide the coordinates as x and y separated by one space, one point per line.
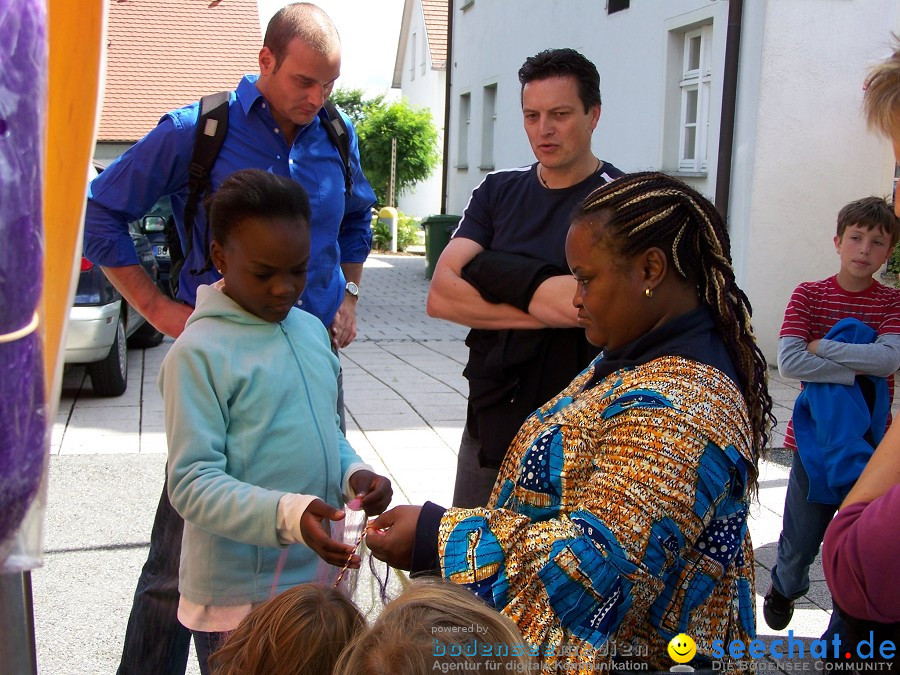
352 288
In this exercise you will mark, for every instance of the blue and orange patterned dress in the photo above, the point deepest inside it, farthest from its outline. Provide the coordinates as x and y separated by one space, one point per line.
619 519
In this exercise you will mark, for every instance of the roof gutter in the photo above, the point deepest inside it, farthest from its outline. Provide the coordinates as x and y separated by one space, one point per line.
448 72
729 98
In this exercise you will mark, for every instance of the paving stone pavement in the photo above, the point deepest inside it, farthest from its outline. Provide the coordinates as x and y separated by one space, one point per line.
405 400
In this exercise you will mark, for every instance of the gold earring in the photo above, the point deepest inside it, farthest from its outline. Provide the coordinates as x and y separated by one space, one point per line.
648 292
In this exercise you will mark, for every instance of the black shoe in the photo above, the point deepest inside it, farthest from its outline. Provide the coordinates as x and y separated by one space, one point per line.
777 609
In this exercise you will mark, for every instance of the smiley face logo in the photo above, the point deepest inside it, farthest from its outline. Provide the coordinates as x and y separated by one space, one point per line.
682 648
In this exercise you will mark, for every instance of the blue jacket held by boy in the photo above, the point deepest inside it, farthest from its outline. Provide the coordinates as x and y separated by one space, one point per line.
833 423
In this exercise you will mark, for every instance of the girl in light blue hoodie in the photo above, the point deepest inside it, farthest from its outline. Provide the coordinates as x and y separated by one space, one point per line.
256 456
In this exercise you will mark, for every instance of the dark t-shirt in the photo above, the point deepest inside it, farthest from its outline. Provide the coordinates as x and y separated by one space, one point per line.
512 212
513 372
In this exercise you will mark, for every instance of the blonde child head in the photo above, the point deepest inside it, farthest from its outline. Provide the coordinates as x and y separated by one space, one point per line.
435 621
299 632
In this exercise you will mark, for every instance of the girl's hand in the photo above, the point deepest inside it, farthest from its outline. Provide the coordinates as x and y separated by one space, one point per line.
317 538
373 491
391 536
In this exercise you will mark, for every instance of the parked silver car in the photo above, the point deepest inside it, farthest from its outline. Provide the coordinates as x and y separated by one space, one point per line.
102 324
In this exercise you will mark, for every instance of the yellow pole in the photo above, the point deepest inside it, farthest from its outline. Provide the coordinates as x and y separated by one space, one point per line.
75 37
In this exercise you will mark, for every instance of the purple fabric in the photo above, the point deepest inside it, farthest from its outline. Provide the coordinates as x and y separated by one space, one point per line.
860 555
23 53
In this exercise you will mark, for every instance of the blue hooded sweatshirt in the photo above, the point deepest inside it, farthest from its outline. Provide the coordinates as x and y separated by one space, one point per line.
250 410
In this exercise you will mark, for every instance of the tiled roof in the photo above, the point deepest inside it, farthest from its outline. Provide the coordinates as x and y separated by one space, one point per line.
436 28
163 54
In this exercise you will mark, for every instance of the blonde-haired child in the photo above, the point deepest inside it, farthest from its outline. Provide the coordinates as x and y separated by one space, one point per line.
433 623
299 632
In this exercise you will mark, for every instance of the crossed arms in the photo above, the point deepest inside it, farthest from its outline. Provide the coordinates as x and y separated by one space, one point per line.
454 299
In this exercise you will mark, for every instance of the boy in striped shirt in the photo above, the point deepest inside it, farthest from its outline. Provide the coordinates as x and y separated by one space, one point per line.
867 230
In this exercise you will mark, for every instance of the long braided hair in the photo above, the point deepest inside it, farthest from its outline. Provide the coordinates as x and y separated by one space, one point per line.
646 209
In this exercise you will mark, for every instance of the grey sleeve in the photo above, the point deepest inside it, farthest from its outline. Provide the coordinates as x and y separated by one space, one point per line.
795 362
880 358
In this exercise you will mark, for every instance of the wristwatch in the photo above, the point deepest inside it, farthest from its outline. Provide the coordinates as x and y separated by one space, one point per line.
352 289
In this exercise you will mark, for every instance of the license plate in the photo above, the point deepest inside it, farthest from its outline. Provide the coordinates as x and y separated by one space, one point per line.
161 251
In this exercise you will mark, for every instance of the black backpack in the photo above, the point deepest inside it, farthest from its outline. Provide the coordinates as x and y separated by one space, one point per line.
212 126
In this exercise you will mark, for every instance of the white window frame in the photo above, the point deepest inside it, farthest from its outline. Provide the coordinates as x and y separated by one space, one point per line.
695 80
465 120
488 123
412 60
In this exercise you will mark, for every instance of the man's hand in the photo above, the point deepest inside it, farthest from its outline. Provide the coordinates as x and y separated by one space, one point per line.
812 346
316 537
139 291
373 491
391 536
170 316
552 302
343 328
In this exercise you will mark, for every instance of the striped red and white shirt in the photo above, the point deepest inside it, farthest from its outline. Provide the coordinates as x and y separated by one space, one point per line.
815 306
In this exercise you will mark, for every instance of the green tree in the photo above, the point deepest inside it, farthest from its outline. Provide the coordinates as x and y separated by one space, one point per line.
351 101
376 124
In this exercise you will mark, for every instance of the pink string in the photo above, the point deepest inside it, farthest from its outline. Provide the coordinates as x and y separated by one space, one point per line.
278 569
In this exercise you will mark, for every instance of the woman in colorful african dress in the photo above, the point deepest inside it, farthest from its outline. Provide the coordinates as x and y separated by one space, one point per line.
619 517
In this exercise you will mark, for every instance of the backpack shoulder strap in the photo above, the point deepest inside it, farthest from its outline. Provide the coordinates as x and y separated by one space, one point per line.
337 132
212 126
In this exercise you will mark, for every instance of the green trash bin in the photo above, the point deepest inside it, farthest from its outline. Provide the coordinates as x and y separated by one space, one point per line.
438 228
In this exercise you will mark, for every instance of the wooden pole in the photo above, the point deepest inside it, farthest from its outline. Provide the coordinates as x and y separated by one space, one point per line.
393 180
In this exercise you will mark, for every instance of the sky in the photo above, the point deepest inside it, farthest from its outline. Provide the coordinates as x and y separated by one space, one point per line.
369 32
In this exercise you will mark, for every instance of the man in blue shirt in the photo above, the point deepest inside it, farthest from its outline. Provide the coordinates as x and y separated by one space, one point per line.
275 123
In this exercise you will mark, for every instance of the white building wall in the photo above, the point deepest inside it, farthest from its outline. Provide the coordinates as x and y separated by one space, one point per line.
423 90
800 151
630 51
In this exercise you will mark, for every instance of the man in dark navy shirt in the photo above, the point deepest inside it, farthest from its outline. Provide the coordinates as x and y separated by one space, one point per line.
504 273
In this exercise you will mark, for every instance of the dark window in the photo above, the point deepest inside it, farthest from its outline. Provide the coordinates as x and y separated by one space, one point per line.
613 6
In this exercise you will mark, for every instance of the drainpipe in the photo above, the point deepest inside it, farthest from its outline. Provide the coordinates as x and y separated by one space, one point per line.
448 70
729 97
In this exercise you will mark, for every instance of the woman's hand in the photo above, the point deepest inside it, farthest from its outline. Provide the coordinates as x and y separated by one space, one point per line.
317 538
373 491
391 536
